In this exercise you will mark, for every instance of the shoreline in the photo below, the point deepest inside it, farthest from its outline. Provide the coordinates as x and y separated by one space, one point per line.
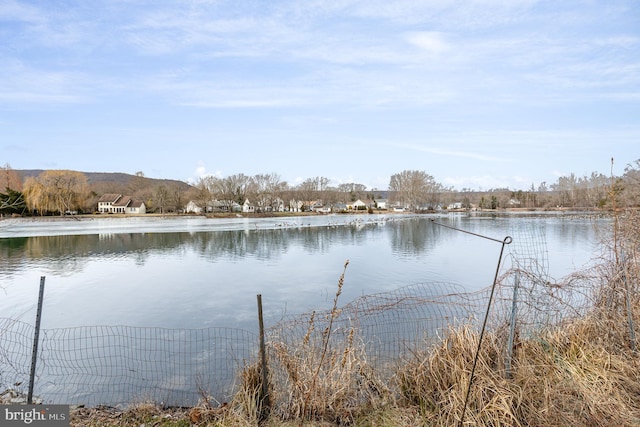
222 215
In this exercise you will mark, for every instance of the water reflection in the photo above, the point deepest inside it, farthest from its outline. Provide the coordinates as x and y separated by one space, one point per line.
195 276
414 237
66 253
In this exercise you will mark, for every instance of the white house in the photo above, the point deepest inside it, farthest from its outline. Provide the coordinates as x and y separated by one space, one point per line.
192 207
278 205
321 209
317 206
106 202
117 203
380 203
357 205
295 205
121 205
247 207
136 208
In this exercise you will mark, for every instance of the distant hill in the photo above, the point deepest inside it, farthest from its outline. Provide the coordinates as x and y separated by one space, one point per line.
116 182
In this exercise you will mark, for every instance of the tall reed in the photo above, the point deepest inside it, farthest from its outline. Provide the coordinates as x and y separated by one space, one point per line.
325 375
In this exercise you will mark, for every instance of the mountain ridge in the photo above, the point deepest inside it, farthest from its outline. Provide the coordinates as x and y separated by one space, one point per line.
105 179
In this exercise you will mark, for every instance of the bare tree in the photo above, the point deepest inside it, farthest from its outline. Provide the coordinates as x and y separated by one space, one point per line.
587 191
414 189
232 189
631 182
177 197
594 189
9 178
352 190
161 198
566 187
312 189
56 191
202 192
266 188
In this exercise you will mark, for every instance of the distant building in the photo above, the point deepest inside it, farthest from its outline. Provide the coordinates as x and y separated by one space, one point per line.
136 207
357 205
192 207
380 203
339 207
248 207
105 203
117 203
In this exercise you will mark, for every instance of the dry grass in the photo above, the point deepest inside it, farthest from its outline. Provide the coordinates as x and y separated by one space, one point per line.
326 377
567 376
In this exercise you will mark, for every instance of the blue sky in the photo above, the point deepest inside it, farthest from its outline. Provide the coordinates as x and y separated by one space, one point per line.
479 94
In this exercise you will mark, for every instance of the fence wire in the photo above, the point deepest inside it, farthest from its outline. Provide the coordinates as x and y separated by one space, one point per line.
389 324
119 365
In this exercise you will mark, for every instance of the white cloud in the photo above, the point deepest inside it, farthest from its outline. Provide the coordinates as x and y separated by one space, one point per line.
202 172
429 41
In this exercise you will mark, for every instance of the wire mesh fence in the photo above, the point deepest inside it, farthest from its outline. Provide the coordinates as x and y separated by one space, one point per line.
389 324
119 365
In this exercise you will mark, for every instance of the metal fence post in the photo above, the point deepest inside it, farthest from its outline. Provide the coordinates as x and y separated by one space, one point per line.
506 241
36 339
512 324
263 360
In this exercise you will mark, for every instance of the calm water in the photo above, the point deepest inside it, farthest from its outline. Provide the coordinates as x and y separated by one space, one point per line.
197 272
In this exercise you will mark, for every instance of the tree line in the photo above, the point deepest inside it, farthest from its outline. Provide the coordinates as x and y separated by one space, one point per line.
56 192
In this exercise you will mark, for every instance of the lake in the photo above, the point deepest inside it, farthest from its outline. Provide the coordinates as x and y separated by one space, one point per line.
195 272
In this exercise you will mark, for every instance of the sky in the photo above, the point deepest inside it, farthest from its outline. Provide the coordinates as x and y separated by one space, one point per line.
479 94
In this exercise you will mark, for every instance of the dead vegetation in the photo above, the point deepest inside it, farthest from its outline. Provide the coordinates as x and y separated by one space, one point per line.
571 375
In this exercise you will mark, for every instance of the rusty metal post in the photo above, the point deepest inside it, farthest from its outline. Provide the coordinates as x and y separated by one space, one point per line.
263 360
36 340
